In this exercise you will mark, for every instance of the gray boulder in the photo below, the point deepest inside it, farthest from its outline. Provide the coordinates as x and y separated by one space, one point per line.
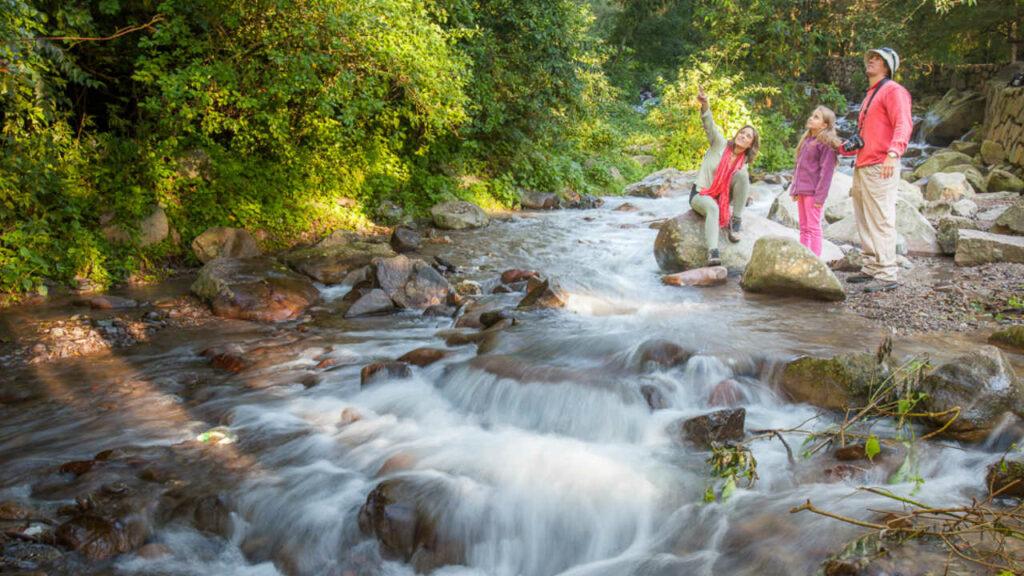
411 283
953 116
784 211
974 176
947 232
834 383
982 384
1011 221
839 210
785 267
224 242
917 233
152 229
939 161
258 289
911 193
1003 181
332 263
948 186
992 152
976 247
965 147
375 301
459 215
667 182
680 242
532 200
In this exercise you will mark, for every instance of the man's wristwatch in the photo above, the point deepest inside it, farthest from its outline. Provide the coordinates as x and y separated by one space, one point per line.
892 154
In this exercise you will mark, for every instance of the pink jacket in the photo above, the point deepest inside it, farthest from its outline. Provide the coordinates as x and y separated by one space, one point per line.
812 175
886 126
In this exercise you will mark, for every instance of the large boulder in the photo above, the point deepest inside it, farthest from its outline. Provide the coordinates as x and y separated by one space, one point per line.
258 289
1003 181
974 176
939 161
680 242
786 267
982 384
838 204
976 247
719 427
834 383
459 215
332 263
968 147
1011 221
911 193
948 231
948 186
838 211
953 116
224 242
533 200
411 283
784 210
992 152
667 182
917 233
152 229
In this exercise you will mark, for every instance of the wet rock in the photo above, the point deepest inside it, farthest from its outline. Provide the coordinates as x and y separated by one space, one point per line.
717 427
404 239
950 186
544 294
254 289
784 210
439 311
832 383
404 517
375 301
397 463
661 354
1012 338
456 338
228 362
982 384
1006 478
727 393
654 397
491 317
99 538
153 551
576 201
531 200
515 275
626 207
384 371
112 302
707 276
974 247
851 453
785 267
951 118
16 511
680 242
1003 181
411 283
493 339
939 161
224 242
424 356
332 263
348 416
663 183
458 215
469 288
78 467
1011 221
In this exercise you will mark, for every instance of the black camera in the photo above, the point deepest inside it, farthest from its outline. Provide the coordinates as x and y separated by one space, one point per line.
853 144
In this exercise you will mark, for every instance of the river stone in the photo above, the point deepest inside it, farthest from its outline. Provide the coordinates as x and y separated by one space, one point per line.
423 357
947 232
976 247
404 239
834 383
838 210
663 183
852 260
937 209
660 354
403 514
532 200
1006 478
939 161
709 276
953 116
918 235
542 294
152 229
411 283
258 289
911 193
965 208
784 210
1012 337
992 152
654 397
786 267
1003 181
680 242
459 215
983 384
224 242
332 263
375 301
99 538
1011 221
973 175
384 371
965 147
948 186
717 427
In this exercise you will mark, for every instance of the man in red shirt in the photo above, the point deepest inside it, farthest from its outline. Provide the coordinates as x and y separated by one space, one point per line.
885 127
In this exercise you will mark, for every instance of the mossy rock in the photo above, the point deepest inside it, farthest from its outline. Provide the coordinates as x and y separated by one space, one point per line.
1012 337
833 383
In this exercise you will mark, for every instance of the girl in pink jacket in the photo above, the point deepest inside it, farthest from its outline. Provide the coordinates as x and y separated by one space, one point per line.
815 163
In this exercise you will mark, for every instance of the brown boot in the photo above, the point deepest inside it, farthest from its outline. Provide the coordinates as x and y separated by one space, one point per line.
733 230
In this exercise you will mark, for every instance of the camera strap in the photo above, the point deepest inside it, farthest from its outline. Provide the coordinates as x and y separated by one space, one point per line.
864 112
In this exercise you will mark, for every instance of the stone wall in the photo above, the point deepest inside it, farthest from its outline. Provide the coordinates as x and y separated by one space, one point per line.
847 73
1004 119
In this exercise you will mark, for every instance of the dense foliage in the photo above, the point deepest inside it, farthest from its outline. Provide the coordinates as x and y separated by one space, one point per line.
294 118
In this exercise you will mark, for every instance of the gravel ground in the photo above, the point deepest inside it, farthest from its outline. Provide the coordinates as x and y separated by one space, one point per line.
936 295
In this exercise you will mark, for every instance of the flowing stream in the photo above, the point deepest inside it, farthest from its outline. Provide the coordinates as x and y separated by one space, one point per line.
549 463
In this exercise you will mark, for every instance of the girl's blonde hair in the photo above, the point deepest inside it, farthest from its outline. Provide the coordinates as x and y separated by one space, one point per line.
826 135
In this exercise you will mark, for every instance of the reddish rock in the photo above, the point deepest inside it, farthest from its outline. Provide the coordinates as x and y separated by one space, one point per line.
728 392
707 276
654 397
153 550
851 453
719 427
424 356
396 463
348 416
384 370
543 295
257 289
515 275
663 354
100 538
78 467
228 362
15 511
111 302
626 207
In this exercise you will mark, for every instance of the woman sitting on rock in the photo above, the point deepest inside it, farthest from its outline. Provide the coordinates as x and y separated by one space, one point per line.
723 184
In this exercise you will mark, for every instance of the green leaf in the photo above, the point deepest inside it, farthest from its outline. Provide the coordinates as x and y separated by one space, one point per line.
728 488
871 447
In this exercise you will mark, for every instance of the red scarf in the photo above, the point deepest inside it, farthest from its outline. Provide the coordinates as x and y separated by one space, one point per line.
719 188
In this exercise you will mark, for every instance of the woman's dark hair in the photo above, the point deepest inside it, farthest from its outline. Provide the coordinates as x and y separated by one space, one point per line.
755 144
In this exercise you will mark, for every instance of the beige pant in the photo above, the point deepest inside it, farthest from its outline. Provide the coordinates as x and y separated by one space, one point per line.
706 206
874 207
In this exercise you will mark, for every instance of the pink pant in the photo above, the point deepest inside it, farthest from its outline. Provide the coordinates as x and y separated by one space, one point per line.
810 223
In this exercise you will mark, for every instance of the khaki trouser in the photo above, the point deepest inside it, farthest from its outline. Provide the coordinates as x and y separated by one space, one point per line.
874 207
706 206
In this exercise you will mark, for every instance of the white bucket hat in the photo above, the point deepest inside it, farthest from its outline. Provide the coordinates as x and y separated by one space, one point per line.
892 59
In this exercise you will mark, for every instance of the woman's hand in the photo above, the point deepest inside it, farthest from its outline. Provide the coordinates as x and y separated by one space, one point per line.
702 98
